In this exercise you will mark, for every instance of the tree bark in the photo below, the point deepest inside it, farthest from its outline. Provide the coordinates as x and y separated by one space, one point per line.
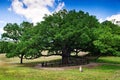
65 60
65 56
21 59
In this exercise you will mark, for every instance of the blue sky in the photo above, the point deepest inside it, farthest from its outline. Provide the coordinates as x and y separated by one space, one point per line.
16 11
100 8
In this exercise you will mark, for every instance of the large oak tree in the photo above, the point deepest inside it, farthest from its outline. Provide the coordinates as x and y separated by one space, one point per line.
62 33
66 32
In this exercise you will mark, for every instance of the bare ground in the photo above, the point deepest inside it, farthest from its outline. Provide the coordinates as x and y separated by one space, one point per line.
90 66
3 63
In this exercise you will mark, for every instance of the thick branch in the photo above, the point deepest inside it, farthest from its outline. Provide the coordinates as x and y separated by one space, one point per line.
51 55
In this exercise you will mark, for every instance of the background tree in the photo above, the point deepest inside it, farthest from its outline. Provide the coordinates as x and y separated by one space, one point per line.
4 48
108 39
21 44
11 35
12 32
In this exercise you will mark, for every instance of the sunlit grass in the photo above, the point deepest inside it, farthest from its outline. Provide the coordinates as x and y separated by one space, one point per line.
24 73
18 72
17 60
109 59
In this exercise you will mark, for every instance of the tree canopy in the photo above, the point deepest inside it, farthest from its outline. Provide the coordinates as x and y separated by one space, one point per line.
108 39
63 33
20 41
66 32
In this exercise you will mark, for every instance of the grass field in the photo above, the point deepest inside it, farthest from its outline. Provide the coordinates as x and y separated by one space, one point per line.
110 59
8 71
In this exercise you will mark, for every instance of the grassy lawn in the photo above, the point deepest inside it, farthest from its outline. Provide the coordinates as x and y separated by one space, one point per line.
103 72
109 59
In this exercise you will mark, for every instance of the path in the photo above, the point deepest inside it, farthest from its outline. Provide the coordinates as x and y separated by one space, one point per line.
90 66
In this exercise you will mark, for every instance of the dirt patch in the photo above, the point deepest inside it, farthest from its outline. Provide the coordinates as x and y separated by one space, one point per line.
3 63
90 66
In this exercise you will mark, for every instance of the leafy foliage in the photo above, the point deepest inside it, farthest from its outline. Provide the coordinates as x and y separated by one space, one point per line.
4 48
108 39
67 31
62 33
12 31
21 44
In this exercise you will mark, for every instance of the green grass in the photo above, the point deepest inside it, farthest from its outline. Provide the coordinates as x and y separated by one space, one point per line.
109 59
17 72
105 72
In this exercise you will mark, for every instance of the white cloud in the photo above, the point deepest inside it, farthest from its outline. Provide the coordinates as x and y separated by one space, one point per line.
34 10
1 21
113 18
1 31
101 20
116 17
2 24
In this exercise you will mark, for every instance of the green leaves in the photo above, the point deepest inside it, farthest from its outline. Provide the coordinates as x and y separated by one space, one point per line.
107 40
11 32
22 43
65 31
67 28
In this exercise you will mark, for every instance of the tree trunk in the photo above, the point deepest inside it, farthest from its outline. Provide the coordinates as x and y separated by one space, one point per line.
65 59
65 56
21 59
